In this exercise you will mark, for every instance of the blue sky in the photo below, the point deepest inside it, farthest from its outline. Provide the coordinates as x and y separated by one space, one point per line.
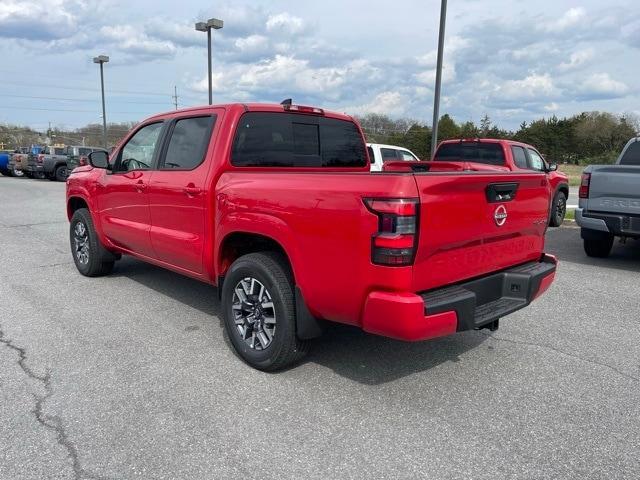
512 60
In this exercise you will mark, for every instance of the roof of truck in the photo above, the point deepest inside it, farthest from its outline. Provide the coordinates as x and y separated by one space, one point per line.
254 107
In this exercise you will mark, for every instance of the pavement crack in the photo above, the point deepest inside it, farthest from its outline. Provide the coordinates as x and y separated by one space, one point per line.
50 422
562 352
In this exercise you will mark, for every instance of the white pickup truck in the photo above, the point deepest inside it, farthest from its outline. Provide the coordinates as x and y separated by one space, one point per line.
380 154
609 204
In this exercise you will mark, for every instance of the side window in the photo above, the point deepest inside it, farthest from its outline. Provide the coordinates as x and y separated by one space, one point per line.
519 157
389 154
405 155
137 154
537 163
631 155
188 143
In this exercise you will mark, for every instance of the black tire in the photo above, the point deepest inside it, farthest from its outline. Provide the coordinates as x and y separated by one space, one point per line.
5 172
17 173
598 247
40 175
558 209
27 174
94 265
61 173
271 271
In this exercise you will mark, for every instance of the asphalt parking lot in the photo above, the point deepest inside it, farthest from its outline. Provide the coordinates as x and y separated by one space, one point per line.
130 376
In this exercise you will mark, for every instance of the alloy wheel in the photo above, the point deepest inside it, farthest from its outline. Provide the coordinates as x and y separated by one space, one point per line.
254 313
81 242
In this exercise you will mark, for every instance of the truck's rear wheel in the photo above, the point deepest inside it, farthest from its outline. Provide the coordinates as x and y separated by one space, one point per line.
558 209
88 253
259 311
61 173
599 247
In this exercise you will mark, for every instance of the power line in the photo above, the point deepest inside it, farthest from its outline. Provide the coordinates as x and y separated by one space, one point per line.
87 100
85 89
68 110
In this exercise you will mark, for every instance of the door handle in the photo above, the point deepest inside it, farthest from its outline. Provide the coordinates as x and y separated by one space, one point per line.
141 186
192 190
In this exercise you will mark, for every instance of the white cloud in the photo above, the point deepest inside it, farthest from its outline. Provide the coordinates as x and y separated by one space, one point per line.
601 85
391 103
552 107
571 18
42 20
285 22
532 87
252 43
577 59
130 39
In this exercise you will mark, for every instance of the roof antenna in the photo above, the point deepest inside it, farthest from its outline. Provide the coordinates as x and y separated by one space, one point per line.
286 101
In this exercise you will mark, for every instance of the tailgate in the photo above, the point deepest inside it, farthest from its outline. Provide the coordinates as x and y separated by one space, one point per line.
472 224
615 189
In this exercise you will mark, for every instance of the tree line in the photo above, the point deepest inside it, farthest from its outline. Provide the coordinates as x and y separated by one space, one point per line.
589 137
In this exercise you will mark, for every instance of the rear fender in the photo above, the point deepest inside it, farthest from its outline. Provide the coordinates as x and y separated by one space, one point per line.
266 225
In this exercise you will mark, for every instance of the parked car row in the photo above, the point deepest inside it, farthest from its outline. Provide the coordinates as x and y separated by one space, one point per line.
52 162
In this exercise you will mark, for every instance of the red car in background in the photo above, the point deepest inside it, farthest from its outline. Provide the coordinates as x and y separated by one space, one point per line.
510 155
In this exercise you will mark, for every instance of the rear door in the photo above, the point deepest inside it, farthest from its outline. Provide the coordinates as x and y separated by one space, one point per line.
178 193
472 224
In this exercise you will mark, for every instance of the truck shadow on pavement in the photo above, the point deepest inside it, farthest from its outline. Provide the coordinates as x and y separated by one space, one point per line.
566 244
348 351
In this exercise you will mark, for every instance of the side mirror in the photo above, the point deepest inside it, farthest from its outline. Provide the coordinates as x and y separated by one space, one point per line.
99 159
552 167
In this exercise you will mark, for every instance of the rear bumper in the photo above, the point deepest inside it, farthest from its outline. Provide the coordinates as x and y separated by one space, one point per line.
614 223
466 306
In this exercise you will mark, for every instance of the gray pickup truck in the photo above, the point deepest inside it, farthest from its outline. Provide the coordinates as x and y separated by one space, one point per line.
609 204
50 163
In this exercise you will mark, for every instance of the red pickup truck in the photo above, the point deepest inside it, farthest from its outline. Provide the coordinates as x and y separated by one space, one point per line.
276 206
510 155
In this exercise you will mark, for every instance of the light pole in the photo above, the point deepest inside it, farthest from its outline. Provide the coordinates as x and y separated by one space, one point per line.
206 27
436 99
102 59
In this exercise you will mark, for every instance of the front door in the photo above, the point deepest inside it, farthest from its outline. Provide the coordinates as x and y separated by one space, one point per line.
178 194
123 192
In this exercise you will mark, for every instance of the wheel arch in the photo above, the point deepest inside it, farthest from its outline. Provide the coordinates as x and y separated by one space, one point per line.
238 243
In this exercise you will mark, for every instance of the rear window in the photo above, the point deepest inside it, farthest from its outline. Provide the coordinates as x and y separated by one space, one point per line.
270 139
487 153
631 155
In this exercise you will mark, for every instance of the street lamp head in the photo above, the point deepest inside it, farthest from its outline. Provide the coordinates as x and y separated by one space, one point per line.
201 26
101 59
215 23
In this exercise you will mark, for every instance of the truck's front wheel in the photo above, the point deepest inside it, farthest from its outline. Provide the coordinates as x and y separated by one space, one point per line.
598 247
88 253
259 311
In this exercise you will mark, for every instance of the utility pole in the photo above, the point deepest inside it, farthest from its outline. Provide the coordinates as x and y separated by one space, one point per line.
175 96
436 99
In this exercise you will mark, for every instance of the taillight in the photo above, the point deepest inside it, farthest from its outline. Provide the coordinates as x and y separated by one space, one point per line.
394 243
40 158
584 185
83 161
